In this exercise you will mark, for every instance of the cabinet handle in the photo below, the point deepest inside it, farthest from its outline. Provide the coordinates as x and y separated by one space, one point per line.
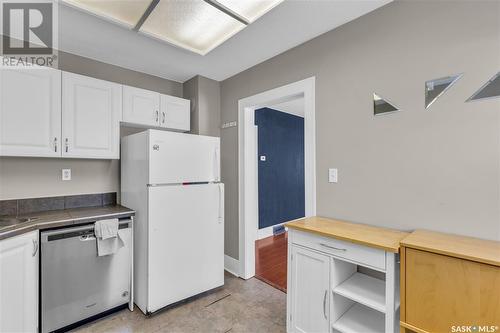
324 304
66 144
332 247
55 145
35 247
157 116
164 117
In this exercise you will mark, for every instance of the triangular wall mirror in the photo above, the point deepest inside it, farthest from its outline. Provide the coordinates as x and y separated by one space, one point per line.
437 87
490 89
382 106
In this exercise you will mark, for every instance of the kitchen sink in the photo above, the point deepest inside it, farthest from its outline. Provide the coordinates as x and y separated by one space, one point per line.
5 221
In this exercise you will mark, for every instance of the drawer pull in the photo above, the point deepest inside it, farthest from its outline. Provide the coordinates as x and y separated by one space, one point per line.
332 247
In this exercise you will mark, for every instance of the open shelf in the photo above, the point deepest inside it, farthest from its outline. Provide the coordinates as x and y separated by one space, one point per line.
359 318
364 289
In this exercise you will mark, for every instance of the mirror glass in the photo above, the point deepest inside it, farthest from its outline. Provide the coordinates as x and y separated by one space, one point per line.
490 89
382 106
437 87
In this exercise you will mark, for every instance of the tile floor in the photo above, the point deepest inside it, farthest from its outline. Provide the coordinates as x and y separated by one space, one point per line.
271 259
240 306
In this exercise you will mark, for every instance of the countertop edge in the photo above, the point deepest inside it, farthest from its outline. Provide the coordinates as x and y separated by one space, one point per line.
292 225
60 223
452 254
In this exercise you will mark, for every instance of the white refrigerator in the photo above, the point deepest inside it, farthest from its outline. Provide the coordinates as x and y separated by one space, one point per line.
172 181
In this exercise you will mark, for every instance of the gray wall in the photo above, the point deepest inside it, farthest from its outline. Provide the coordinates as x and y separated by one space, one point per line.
437 169
204 94
190 91
35 177
209 106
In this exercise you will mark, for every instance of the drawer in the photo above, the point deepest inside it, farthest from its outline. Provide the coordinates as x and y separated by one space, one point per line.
360 254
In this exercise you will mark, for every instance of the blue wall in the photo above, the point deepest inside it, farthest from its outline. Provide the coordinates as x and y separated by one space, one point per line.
281 176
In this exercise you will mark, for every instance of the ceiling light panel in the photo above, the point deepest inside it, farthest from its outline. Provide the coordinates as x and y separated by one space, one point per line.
191 24
250 9
125 12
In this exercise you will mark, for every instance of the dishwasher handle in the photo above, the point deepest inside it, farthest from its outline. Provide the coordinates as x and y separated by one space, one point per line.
87 237
84 233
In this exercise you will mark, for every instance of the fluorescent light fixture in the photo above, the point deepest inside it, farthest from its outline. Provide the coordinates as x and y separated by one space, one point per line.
195 25
191 24
250 9
124 12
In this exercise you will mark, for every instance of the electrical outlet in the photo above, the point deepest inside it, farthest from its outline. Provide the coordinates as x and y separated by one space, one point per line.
66 174
333 175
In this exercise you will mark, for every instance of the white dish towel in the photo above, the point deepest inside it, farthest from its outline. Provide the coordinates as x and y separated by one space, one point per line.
108 237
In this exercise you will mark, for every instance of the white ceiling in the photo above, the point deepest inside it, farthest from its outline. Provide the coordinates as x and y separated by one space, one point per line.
294 106
289 24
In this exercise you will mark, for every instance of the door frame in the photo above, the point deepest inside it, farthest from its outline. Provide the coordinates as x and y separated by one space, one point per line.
247 162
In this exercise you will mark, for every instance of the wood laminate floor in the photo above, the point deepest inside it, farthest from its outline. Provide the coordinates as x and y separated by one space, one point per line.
240 306
271 260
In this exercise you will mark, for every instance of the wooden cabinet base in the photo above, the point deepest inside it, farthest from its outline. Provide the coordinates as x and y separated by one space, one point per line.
448 293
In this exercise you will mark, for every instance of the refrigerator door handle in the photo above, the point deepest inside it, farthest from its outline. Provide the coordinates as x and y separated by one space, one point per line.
216 165
221 203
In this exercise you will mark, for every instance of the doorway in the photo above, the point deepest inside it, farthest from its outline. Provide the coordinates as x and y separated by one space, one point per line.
249 230
280 178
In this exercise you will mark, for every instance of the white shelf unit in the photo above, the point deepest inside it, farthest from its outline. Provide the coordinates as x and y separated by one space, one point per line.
360 319
362 286
365 290
359 300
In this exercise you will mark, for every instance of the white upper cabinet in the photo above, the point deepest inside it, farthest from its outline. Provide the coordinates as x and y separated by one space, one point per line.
141 106
19 283
48 113
175 113
91 117
30 112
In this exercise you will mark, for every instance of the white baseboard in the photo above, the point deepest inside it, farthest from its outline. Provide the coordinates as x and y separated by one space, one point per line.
266 232
231 265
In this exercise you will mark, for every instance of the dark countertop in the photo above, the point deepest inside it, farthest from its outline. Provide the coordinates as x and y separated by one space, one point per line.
60 218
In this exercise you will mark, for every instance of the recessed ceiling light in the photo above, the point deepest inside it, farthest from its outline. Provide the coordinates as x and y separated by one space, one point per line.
195 25
124 12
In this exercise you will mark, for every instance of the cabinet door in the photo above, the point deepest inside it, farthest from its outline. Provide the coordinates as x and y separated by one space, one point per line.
141 106
19 283
309 291
30 112
91 117
442 292
175 113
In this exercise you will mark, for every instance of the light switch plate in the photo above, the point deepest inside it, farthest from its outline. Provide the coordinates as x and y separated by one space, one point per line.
332 175
66 174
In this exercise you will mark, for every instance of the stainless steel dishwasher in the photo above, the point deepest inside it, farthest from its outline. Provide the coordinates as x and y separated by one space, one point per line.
76 284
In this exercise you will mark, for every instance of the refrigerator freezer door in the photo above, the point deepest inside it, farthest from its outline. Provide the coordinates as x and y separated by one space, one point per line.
186 242
177 158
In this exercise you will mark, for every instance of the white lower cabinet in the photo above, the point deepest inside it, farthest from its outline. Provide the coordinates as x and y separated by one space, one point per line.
310 291
91 117
19 283
337 286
